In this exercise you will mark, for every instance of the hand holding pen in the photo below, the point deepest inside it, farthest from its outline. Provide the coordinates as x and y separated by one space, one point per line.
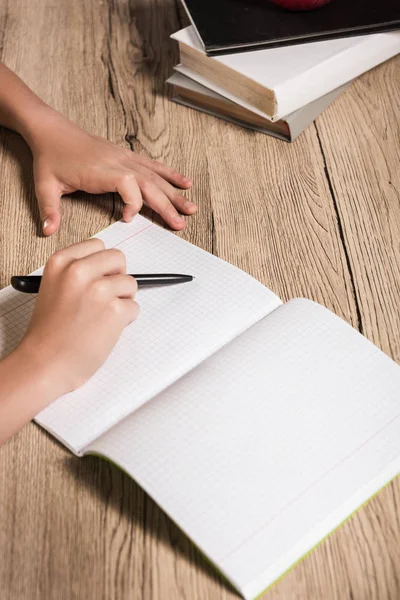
86 299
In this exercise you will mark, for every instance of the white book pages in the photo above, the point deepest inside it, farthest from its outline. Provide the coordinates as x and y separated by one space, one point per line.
270 444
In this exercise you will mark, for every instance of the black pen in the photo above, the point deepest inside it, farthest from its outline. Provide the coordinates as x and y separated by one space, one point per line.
30 284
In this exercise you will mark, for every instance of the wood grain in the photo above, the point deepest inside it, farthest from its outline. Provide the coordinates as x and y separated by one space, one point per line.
362 158
319 218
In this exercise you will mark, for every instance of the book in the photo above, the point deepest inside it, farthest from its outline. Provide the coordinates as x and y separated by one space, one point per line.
257 426
278 81
193 95
239 25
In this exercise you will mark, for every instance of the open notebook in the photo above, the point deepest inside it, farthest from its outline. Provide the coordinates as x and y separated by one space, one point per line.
258 427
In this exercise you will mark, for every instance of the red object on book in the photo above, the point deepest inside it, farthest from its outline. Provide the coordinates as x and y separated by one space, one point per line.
301 4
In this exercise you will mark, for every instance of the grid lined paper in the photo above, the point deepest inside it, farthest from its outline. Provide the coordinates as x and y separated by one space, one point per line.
15 312
270 444
179 326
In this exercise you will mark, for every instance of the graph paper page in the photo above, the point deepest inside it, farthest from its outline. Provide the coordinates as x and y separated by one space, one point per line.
178 327
269 445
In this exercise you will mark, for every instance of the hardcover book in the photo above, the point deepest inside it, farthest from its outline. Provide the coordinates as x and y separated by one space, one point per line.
238 25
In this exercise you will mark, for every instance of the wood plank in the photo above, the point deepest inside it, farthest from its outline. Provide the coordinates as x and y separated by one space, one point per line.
363 157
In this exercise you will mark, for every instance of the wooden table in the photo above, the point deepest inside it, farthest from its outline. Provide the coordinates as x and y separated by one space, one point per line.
319 218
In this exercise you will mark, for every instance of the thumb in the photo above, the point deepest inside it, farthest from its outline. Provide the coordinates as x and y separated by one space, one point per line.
48 196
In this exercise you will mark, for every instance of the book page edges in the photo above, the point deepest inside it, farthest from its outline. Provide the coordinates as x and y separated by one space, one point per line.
253 92
183 102
213 113
286 129
180 68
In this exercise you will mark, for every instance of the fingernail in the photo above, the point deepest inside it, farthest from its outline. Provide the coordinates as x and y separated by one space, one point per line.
46 223
188 204
187 180
179 219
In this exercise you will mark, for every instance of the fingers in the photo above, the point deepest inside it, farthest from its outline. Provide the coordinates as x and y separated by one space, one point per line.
115 290
159 202
129 310
181 203
94 266
129 190
82 249
145 180
164 171
63 258
156 192
48 196
121 286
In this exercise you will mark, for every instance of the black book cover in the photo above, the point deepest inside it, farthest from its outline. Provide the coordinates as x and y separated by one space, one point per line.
238 25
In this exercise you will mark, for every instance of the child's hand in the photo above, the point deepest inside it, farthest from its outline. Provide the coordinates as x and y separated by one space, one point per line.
84 303
67 159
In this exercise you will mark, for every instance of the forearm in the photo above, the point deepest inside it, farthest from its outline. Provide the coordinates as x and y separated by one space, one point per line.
26 388
20 109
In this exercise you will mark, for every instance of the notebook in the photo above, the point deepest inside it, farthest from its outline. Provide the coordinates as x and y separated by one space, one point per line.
278 81
188 92
238 25
257 426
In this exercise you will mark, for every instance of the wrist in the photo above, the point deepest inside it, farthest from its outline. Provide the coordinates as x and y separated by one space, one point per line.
50 364
34 374
27 386
34 124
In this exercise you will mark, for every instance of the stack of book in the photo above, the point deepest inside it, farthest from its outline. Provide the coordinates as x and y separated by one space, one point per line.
258 65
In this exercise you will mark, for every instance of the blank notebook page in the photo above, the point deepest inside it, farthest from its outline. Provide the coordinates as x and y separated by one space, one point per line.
178 327
270 444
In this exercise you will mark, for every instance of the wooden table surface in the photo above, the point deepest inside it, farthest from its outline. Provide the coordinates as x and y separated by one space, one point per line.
319 218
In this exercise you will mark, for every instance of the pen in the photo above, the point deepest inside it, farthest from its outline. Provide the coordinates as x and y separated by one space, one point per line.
30 284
